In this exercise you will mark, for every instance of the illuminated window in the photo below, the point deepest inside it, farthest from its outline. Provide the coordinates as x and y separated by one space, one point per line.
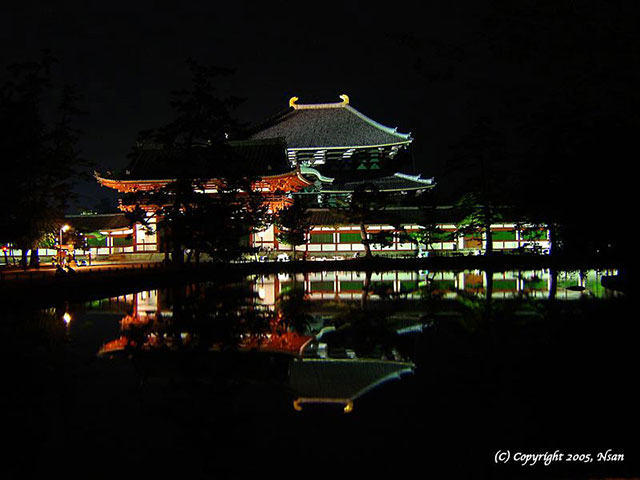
351 286
322 286
504 236
321 238
350 238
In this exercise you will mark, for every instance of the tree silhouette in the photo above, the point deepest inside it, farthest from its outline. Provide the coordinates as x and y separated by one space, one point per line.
41 142
294 223
362 206
196 141
481 153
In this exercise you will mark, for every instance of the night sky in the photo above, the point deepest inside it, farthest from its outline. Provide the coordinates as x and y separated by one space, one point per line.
430 71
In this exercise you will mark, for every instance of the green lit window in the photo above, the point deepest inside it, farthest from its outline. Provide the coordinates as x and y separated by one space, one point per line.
321 238
350 286
504 236
408 285
505 285
350 238
322 286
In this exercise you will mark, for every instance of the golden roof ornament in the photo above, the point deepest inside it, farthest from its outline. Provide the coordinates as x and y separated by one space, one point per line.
344 97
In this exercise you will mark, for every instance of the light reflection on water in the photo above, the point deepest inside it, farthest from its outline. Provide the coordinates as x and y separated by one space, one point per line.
411 285
437 377
329 326
571 285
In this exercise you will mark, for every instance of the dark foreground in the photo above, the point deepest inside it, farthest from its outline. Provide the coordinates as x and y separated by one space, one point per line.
564 383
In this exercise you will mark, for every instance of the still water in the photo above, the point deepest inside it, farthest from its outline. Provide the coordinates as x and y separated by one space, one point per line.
436 369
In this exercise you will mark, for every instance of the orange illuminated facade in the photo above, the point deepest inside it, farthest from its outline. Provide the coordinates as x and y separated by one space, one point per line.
274 188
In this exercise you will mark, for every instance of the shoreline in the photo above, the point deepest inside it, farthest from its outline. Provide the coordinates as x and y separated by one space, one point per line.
46 288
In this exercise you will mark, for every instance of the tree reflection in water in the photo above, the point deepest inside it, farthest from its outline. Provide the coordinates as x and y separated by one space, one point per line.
222 333
285 336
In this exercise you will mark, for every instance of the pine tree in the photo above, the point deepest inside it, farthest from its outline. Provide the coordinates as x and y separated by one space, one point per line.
294 224
44 161
196 141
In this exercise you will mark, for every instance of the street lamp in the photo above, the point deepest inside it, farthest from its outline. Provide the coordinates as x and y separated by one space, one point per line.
63 229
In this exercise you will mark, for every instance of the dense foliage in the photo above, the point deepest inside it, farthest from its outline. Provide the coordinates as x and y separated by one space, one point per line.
190 219
39 143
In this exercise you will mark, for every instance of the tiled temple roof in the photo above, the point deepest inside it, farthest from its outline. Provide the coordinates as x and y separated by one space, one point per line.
397 182
327 125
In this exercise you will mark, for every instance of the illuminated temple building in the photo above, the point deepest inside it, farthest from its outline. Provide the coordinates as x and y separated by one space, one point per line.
336 139
315 150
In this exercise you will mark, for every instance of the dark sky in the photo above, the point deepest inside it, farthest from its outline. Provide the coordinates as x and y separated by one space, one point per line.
423 68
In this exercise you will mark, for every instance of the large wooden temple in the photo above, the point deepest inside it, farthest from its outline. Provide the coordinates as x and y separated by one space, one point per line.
312 149
317 150
330 146
336 139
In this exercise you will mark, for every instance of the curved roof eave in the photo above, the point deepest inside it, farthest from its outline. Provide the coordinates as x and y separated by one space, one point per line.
404 142
372 122
391 190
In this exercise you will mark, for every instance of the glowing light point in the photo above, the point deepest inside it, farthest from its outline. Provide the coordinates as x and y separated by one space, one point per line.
66 318
292 101
345 99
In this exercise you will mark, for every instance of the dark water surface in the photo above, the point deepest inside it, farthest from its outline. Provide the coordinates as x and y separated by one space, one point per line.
332 373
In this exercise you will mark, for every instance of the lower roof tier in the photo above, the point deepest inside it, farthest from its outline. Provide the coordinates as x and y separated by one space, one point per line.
288 182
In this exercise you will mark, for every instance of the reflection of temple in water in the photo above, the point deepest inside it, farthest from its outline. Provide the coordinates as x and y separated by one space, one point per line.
349 285
340 381
326 363
337 286
322 367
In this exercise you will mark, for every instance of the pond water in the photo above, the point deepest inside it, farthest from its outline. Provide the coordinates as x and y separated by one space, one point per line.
381 372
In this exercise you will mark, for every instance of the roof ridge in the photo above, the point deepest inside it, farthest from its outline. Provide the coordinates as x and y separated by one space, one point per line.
328 125
310 106
345 104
